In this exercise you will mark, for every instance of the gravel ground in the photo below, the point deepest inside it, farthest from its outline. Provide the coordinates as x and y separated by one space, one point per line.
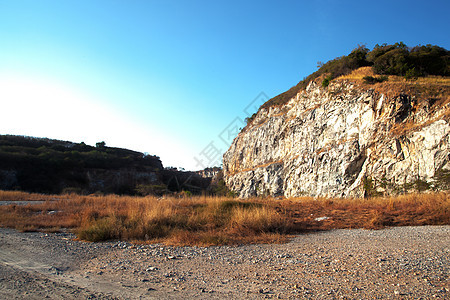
393 263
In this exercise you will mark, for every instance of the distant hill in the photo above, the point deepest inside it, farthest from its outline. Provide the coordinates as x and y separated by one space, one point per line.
52 166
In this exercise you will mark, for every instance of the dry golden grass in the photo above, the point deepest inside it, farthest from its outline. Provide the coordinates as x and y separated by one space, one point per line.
215 220
358 74
435 87
373 213
22 196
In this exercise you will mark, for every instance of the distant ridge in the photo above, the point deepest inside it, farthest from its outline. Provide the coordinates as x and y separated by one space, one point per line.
53 166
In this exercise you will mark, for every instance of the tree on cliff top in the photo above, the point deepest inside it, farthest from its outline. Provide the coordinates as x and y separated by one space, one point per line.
396 59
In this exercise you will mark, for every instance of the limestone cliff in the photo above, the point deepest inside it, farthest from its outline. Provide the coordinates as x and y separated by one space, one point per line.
345 140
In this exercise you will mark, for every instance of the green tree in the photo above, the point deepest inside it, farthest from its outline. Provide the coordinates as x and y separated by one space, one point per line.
100 145
394 62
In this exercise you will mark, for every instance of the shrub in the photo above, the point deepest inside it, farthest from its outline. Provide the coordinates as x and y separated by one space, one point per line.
100 230
396 59
255 220
326 81
418 61
372 80
430 60
250 119
412 74
393 62
383 49
369 188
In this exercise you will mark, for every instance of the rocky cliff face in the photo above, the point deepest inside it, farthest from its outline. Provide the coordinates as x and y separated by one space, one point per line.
345 140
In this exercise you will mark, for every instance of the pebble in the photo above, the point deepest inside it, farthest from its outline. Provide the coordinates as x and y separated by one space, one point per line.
347 264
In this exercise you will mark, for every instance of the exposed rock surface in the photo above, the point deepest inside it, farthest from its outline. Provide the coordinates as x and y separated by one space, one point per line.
341 141
208 172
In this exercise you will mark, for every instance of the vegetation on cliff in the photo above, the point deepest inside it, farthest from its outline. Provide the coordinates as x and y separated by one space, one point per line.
397 59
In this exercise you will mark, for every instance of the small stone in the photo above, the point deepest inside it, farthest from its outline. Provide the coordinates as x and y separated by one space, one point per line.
321 219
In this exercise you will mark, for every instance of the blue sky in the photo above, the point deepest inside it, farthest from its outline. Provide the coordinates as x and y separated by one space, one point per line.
176 78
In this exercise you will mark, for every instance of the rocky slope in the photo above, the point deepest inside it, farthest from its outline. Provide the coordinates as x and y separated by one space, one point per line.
345 140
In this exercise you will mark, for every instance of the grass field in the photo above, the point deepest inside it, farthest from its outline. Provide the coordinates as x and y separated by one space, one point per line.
214 220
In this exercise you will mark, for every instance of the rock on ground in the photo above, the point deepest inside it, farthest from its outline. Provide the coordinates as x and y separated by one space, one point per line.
393 263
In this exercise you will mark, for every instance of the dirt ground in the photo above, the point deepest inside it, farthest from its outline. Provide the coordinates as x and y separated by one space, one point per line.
393 263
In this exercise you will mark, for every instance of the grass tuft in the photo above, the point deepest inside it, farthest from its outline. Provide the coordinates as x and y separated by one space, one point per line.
207 221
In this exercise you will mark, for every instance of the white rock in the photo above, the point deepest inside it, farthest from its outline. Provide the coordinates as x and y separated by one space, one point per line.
325 144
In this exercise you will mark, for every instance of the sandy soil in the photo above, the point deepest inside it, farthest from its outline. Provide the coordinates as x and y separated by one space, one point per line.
394 263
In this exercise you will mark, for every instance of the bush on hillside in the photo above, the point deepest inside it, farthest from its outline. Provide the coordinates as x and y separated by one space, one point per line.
430 60
396 59
394 62
372 79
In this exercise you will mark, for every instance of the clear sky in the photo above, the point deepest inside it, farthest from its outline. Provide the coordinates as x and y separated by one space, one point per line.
177 78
